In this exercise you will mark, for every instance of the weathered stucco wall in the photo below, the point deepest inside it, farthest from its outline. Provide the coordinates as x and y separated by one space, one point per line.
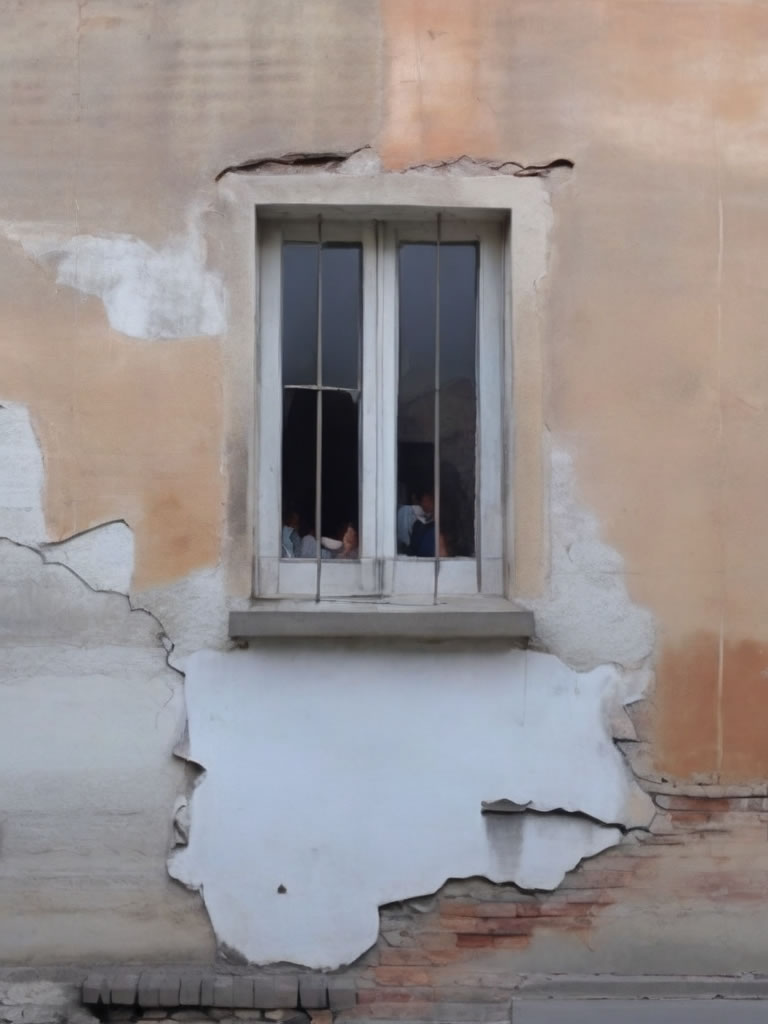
645 389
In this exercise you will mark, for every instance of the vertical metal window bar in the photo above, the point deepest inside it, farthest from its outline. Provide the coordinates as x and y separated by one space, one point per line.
436 471
319 412
478 435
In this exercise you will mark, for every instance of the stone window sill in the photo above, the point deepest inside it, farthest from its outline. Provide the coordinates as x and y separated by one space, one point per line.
478 619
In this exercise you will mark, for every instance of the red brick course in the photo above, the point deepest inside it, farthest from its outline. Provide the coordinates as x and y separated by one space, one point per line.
469 937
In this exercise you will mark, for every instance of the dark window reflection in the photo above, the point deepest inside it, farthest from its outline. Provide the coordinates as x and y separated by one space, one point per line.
342 307
417 281
340 311
339 474
299 327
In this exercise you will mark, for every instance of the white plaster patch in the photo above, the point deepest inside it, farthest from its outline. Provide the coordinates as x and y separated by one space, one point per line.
588 617
102 557
147 293
353 777
21 477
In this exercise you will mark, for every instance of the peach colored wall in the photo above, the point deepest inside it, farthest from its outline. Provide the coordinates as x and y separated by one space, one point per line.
655 375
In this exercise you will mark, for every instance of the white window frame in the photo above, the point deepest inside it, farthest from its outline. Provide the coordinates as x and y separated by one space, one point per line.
244 201
381 573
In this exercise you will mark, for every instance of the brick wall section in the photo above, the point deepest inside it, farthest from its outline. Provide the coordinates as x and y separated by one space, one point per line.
439 955
462 945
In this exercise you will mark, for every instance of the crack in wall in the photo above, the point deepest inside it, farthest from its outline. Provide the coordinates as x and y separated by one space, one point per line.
502 808
162 637
334 161
321 160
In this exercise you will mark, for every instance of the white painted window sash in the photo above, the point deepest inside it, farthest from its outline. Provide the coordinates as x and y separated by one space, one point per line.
380 572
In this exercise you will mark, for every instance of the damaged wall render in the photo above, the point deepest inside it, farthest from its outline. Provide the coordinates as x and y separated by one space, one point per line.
123 477
318 846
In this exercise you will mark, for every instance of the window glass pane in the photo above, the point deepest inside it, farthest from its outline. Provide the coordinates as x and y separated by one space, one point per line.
458 403
341 284
417 282
339 477
299 454
299 313
340 502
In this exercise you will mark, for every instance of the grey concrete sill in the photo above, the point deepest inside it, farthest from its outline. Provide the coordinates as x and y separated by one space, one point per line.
476 621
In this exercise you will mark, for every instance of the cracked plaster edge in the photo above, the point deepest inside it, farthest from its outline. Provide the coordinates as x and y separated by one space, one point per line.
161 633
619 724
612 835
364 159
51 244
74 552
640 811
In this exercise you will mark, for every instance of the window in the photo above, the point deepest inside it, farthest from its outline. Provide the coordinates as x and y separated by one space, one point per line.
380 364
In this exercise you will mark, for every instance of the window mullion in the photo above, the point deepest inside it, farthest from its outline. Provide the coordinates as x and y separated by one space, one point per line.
387 341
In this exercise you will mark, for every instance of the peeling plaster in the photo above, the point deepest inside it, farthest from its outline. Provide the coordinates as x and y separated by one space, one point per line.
588 617
147 293
354 778
194 611
365 160
21 477
102 557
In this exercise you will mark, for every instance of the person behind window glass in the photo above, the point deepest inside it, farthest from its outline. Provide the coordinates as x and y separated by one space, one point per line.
416 522
291 538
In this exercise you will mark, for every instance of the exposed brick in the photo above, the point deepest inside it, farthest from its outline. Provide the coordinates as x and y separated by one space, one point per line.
414 1011
404 957
459 908
402 976
497 910
313 991
123 989
415 993
489 925
693 803
529 910
438 940
508 925
597 879
397 938
462 924
559 909
472 941
511 941
242 992
444 957
484 908
689 818
591 896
